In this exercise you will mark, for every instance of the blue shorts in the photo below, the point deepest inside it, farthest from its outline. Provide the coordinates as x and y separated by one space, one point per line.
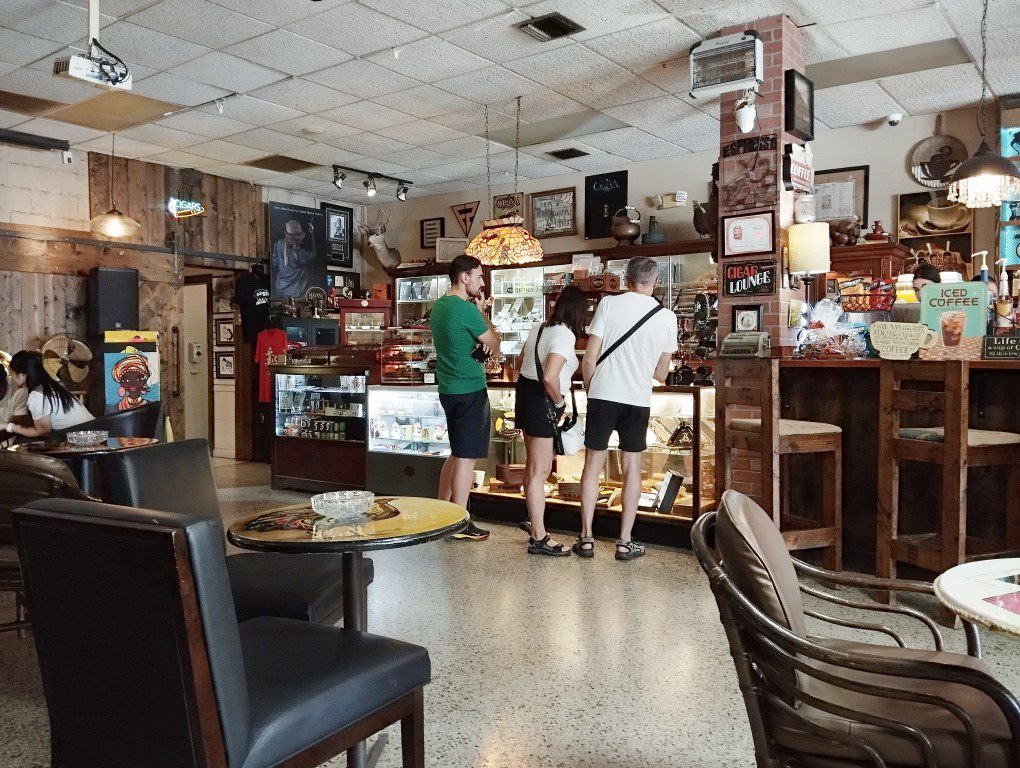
468 423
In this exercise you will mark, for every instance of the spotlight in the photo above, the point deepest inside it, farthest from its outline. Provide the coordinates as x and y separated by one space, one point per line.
338 177
370 189
401 192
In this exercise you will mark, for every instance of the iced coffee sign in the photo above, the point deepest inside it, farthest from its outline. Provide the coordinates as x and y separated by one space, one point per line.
958 313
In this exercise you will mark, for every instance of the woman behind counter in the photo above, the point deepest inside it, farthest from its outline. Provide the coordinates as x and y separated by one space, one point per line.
50 403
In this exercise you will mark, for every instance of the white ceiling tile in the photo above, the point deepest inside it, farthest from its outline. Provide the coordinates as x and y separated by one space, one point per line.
421 133
490 84
126 147
139 45
423 101
226 151
19 48
612 90
641 47
363 78
315 128
832 11
118 8
673 76
253 111
473 120
356 29
33 83
58 130
655 112
163 136
1001 42
10 119
316 175
204 124
711 142
200 22
326 154
281 12
601 17
288 52
423 177
448 187
417 158
853 104
458 170
48 19
269 140
439 15
430 59
1004 75
244 173
563 66
708 18
822 45
543 105
499 40
504 161
935 90
5 67
303 95
596 162
624 141
177 90
544 170
367 115
225 71
882 33
376 165
371 144
467 148
688 131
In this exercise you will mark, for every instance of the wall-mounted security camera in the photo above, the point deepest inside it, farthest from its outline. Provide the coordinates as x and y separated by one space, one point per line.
894 118
66 157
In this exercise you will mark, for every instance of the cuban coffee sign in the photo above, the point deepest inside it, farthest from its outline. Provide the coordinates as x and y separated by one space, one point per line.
749 278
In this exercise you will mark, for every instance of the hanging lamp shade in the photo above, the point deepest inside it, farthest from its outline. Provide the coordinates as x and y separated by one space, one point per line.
504 241
985 180
113 223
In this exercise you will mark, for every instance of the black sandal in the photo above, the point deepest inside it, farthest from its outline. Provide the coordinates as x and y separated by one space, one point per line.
543 547
584 546
628 550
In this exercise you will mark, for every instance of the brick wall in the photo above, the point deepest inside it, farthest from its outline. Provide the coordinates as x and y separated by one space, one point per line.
37 188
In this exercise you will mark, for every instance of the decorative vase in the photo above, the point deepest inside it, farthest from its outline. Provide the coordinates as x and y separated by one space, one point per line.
627 228
654 233
877 234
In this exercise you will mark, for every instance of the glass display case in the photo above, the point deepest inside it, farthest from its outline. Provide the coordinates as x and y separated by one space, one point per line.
408 357
320 406
407 420
363 322
416 295
677 469
518 303
677 274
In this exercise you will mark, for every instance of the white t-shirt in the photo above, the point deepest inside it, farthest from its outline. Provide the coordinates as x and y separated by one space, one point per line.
556 339
13 404
626 375
40 406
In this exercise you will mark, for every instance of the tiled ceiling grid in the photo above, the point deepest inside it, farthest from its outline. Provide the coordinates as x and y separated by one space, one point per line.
398 86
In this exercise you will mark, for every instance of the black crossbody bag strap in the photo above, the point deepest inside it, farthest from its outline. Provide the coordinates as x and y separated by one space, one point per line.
628 334
541 377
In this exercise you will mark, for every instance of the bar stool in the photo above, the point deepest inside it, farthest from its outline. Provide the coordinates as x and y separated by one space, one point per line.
742 385
955 447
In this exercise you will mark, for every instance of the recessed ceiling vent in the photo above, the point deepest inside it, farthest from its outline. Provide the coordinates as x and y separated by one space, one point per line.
568 154
550 27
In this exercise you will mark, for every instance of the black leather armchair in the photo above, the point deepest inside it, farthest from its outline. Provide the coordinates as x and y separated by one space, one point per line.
178 477
822 702
143 421
143 663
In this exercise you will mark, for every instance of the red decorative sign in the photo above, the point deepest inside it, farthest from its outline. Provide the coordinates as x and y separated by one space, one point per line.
749 278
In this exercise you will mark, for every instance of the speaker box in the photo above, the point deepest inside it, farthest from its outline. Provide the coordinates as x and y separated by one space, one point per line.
112 300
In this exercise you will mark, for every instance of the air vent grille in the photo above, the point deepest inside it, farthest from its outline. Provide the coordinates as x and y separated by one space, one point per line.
568 154
550 27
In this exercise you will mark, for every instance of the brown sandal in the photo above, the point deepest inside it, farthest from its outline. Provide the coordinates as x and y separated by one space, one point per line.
584 546
543 547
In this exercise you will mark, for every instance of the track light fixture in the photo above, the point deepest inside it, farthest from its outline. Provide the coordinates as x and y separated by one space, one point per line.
338 177
370 189
340 172
402 192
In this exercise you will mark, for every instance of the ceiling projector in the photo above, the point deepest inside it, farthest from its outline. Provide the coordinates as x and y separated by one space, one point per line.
93 71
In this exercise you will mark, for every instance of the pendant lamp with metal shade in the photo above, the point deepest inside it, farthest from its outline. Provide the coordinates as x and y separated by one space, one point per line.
504 241
113 223
986 179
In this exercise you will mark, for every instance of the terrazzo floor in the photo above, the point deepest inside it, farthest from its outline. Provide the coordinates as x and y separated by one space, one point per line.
537 662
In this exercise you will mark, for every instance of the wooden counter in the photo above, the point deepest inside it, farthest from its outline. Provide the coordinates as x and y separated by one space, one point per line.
845 393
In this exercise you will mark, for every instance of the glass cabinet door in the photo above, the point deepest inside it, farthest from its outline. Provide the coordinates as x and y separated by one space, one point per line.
416 295
407 420
365 327
619 267
320 406
518 303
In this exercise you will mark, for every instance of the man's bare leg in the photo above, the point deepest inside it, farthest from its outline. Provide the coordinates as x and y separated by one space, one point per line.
593 463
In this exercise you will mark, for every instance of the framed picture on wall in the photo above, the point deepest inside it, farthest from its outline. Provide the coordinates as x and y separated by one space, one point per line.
931 215
223 330
748 317
511 204
430 231
799 107
748 234
339 221
841 193
223 365
604 195
554 213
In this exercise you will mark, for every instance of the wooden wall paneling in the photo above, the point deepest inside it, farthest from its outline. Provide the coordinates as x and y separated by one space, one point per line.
24 254
186 183
99 184
12 329
155 226
210 221
52 304
225 221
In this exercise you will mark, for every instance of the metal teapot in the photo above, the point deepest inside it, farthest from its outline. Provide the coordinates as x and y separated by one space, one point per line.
626 228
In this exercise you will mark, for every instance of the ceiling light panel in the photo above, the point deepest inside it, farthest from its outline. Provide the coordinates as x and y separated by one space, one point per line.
230 72
287 52
356 29
200 22
430 60
364 78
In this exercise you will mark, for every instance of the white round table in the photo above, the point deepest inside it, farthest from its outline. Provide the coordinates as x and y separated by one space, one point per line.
985 591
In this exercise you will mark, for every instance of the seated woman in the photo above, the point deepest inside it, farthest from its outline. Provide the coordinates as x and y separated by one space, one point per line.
12 407
50 404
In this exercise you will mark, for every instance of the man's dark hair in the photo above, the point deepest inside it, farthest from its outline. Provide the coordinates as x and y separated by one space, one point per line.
570 310
462 264
928 271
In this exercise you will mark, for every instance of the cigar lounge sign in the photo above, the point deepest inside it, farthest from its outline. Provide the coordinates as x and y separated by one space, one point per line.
749 278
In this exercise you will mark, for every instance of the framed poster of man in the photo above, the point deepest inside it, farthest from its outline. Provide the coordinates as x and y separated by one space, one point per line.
339 222
297 254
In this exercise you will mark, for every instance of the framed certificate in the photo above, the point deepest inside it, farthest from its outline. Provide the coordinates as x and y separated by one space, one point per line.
748 234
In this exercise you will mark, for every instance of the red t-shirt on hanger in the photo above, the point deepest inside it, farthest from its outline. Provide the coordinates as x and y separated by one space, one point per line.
274 340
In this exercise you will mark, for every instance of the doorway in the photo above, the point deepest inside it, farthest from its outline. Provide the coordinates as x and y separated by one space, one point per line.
196 356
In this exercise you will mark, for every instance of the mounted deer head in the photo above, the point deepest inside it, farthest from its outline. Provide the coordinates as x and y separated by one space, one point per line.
388 257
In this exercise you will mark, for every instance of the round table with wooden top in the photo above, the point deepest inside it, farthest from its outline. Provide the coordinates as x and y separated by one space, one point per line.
78 457
984 591
392 522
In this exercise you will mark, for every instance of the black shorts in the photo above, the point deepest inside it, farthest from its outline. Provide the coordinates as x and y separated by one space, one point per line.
468 422
532 408
604 417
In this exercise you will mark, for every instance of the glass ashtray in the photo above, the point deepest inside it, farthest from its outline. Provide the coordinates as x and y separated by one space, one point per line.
343 507
88 437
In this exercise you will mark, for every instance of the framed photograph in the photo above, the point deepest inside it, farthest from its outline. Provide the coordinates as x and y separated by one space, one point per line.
223 331
604 195
841 193
750 180
298 249
554 213
431 230
339 221
931 214
342 285
1009 212
799 109
223 365
507 205
748 317
749 234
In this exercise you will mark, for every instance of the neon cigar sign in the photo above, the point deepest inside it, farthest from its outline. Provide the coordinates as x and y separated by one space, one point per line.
183 209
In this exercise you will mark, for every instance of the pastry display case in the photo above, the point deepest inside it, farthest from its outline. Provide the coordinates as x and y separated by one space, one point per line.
408 357
407 440
518 303
416 295
363 322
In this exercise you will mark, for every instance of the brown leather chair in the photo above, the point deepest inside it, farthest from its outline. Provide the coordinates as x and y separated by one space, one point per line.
25 477
821 702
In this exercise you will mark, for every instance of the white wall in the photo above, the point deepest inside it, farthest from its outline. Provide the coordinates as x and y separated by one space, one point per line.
884 148
37 188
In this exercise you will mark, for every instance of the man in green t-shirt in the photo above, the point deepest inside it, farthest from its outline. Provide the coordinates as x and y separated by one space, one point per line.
458 326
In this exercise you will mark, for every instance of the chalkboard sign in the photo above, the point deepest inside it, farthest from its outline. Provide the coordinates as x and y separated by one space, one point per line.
604 195
749 278
1001 348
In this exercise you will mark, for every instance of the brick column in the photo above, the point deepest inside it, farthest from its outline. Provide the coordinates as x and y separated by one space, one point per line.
784 48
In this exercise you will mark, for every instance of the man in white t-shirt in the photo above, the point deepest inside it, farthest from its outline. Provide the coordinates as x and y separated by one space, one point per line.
619 381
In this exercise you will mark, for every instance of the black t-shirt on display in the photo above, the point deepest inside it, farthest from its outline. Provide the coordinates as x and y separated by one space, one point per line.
251 294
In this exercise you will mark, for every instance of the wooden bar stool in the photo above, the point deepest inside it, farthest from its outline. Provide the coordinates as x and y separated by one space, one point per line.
938 388
743 385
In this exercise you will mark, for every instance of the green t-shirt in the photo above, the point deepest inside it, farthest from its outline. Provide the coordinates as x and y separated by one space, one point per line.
456 325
